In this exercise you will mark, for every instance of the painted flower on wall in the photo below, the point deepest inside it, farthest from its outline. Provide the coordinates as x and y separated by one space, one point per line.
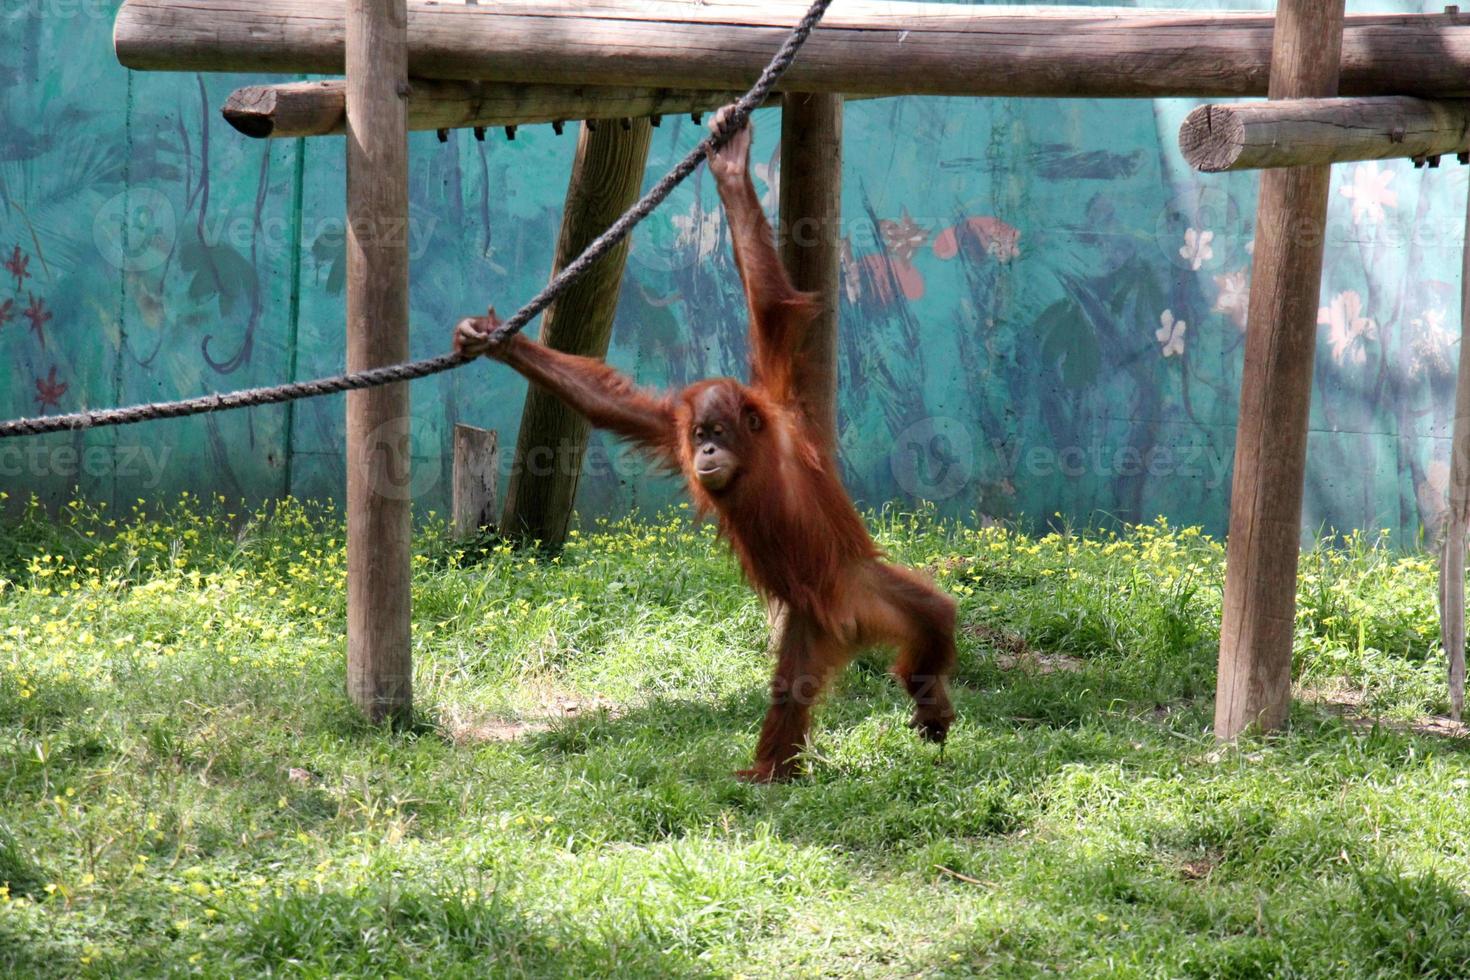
697 229
1234 297
49 390
1170 334
1348 331
1197 249
997 239
903 238
7 312
18 265
1430 344
39 317
1369 192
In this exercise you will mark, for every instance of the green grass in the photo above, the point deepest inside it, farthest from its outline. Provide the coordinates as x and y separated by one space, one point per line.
183 789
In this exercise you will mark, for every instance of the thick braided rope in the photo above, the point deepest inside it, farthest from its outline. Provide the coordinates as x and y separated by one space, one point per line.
395 373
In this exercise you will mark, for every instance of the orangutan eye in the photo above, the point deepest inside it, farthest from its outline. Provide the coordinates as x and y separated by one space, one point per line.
699 432
719 431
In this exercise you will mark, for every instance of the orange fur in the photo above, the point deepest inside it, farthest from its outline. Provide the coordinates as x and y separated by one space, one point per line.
784 511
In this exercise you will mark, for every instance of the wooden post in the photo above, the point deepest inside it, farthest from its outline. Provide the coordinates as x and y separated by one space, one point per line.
811 247
476 459
379 498
1457 521
1254 685
1302 132
607 174
811 235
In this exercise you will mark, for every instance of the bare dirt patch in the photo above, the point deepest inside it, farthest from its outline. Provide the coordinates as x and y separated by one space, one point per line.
1013 653
1349 705
465 728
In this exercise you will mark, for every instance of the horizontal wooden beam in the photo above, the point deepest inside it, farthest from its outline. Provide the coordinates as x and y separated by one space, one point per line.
878 47
1303 132
319 108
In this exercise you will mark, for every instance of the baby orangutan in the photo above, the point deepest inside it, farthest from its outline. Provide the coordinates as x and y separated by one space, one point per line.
752 456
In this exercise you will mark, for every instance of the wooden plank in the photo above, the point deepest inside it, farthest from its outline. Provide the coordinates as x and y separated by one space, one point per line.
1254 684
811 237
379 499
607 174
296 109
1303 132
863 46
476 461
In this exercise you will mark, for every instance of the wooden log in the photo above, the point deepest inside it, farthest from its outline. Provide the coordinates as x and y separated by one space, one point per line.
810 231
379 497
811 237
880 47
607 174
295 109
1304 132
1457 519
476 465
1254 684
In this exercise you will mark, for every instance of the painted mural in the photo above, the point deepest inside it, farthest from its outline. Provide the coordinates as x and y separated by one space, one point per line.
1042 310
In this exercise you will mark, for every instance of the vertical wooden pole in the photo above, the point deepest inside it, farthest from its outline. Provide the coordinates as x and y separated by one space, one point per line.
1457 521
379 670
811 235
607 175
476 459
1254 686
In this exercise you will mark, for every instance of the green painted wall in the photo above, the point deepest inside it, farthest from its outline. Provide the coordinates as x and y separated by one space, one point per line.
1042 309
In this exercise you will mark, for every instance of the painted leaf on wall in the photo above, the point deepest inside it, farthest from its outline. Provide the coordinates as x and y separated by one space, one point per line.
1069 344
217 271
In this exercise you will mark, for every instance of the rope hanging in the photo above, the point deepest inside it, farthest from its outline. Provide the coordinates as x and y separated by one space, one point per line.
395 373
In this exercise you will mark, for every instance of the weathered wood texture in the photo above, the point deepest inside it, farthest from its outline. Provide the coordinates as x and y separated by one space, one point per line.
863 46
810 230
1304 132
295 109
1254 685
379 669
1457 519
476 462
811 237
607 174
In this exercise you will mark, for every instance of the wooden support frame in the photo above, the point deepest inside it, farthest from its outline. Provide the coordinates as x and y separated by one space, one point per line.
607 174
1309 132
810 231
1264 543
296 109
1457 518
877 47
379 499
